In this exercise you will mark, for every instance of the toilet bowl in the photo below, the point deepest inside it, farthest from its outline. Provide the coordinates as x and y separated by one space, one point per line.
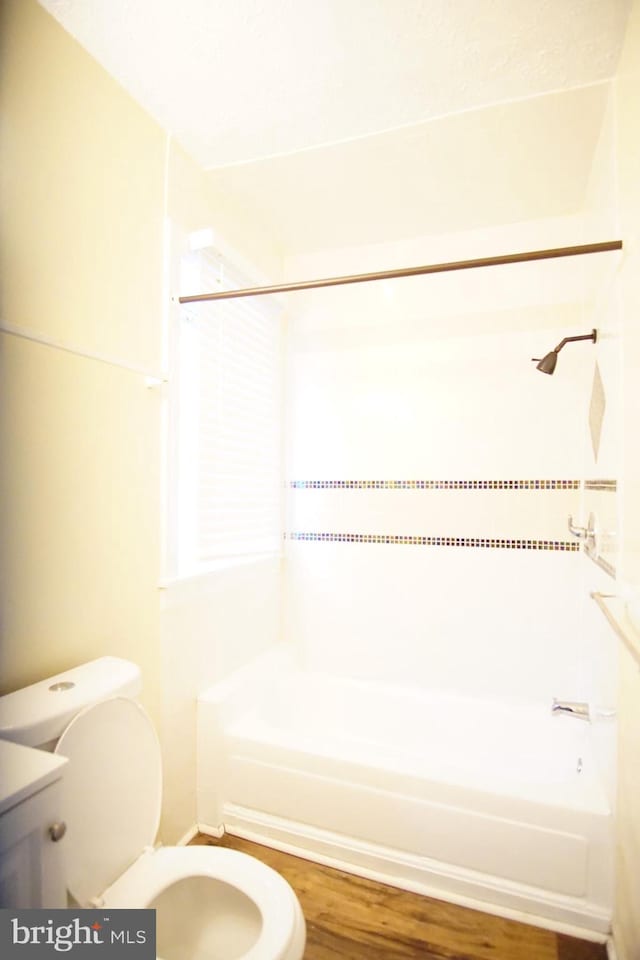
211 903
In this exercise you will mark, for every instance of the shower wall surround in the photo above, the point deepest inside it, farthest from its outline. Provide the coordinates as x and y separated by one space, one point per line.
421 512
603 487
431 473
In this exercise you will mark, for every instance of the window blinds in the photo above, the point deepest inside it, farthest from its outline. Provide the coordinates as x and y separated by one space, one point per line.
230 374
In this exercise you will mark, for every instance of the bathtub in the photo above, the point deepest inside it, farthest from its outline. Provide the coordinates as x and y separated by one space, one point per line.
492 804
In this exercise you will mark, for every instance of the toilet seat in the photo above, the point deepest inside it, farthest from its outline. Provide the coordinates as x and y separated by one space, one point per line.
157 870
112 795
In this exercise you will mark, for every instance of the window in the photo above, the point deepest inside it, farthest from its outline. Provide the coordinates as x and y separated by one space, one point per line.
229 411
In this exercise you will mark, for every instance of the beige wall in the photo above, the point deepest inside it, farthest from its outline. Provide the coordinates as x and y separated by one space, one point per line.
83 227
627 87
195 201
82 219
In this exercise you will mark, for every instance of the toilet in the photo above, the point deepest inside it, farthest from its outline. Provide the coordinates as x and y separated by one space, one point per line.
211 903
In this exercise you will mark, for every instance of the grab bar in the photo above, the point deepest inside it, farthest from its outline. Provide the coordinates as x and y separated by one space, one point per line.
615 608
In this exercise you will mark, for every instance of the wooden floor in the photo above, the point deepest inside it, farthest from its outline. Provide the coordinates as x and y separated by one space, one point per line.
350 918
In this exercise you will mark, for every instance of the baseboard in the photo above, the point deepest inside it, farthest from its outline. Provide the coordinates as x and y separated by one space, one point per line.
419 875
210 831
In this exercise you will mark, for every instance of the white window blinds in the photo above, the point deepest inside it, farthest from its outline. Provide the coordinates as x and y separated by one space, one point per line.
230 447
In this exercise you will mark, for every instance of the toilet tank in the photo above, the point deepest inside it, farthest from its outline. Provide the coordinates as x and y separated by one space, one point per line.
37 715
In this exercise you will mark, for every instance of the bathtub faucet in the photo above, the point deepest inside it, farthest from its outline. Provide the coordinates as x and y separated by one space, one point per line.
571 708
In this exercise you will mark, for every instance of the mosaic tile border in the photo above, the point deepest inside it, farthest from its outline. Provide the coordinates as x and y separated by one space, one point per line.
436 484
565 546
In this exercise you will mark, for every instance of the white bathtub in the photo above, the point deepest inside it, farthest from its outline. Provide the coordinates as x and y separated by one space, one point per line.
477 801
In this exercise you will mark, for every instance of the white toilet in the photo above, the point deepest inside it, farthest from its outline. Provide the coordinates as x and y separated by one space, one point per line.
212 903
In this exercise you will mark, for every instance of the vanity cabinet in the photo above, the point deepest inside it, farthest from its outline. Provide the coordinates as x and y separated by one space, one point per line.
31 828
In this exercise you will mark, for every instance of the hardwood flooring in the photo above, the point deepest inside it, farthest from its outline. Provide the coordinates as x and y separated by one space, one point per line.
350 918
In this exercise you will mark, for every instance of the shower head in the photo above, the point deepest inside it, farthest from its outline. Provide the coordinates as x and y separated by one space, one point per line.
548 362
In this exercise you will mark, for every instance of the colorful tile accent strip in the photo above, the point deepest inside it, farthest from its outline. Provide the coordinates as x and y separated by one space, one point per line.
435 484
482 542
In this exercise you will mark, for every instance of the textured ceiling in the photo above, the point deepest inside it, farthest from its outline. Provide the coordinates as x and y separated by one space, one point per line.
240 80
335 123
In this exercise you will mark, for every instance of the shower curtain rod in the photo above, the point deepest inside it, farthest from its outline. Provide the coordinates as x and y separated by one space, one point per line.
409 271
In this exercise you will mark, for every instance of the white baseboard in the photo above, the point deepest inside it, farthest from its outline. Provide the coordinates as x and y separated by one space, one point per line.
210 831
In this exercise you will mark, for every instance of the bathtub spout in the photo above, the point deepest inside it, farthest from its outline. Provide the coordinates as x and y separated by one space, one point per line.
571 708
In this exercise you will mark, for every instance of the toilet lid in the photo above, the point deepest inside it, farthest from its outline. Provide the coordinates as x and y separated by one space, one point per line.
112 792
